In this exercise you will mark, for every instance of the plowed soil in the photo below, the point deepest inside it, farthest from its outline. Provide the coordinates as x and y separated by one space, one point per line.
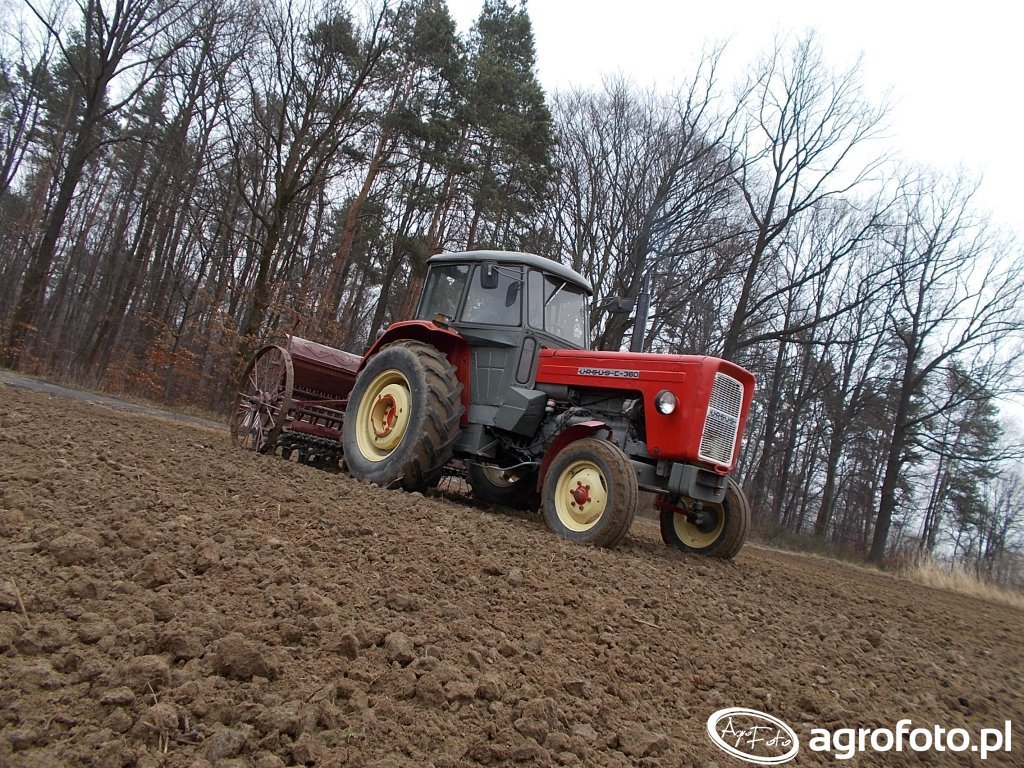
166 600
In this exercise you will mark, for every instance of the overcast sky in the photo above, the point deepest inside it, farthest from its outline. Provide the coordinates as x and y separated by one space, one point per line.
953 71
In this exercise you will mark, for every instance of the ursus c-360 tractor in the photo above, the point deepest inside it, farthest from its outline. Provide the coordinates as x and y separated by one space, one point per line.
494 371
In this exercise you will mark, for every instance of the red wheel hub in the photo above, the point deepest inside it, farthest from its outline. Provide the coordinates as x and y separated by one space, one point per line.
387 419
581 493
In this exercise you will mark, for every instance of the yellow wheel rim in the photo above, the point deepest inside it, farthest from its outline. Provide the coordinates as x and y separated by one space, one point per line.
383 416
500 478
694 537
581 496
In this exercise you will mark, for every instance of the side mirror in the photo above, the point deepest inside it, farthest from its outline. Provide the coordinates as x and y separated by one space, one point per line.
489 275
617 305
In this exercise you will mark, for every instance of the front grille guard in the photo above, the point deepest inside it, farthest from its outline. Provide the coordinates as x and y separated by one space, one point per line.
722 423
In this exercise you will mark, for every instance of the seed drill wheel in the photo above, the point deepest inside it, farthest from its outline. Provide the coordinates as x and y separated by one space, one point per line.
402 417
720 533
590 493
263 400
515 489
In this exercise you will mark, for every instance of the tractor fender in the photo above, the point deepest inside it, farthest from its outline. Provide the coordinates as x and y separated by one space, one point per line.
569 435
445 339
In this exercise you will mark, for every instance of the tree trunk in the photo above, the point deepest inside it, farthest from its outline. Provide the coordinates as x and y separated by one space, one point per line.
828 491
887 498
33 288
332 300
759 482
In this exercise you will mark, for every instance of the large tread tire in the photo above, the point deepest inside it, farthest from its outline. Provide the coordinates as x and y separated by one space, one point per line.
603 471
724 540
490 486
408 442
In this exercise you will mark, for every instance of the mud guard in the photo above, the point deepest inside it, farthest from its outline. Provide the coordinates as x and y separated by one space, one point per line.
445 339
569 435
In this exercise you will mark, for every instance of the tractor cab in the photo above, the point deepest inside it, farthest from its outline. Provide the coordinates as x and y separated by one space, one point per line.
499 298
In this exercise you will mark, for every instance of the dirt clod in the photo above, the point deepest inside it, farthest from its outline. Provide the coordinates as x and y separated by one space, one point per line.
227 742
399 647
236 656
116 696
638 742
74 549
146 673
430 691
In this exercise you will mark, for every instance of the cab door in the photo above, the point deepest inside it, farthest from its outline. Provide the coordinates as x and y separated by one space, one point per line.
492 323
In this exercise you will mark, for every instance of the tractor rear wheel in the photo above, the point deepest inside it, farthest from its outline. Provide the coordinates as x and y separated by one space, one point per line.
517 490
590 493
402 417
720 534
263 400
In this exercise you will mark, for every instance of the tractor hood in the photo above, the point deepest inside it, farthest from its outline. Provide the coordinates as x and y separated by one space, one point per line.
713 397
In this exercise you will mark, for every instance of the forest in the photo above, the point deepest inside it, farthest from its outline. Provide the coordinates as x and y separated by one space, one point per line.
182 179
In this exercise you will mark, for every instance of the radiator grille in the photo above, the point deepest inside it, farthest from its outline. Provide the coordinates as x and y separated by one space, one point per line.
723 421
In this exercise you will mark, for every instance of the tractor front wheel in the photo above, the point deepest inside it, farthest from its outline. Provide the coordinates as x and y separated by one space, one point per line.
590 493
402 417
493 485
718 530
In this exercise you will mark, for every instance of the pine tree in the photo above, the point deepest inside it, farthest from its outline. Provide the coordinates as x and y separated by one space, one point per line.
408 147
509 133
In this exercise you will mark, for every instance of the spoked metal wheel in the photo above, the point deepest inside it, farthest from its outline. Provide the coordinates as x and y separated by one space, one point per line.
263 400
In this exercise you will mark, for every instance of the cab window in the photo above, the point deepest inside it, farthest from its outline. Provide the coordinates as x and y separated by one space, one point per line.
558 307
498 305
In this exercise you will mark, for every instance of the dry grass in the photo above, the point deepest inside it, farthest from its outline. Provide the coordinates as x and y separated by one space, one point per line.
956 578
912 566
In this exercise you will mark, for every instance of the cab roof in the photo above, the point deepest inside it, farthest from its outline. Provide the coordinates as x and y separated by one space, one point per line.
514 257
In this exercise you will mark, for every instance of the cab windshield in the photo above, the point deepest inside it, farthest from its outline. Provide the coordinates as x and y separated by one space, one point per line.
554 305
443 291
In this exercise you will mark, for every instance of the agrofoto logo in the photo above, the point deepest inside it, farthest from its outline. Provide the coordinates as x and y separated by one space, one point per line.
752 735
757 737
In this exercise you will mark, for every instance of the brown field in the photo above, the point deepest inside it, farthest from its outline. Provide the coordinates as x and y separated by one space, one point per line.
166 600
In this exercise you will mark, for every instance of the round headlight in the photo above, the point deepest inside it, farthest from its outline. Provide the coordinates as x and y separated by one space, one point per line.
665 402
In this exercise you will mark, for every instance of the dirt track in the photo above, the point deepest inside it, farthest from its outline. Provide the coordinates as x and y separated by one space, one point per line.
165 600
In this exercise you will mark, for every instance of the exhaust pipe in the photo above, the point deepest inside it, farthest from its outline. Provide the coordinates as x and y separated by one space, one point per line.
643 311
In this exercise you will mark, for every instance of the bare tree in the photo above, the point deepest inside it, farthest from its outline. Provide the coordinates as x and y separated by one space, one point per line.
149 239
643 189
854 345
1001 525
959 303
304 90
800 139
821 276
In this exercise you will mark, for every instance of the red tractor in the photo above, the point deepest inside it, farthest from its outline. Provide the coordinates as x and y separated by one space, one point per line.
494 372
